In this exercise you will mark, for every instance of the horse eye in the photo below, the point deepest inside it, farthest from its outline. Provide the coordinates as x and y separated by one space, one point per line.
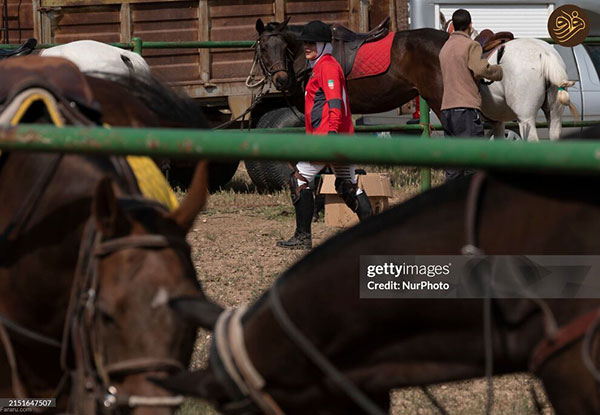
106 316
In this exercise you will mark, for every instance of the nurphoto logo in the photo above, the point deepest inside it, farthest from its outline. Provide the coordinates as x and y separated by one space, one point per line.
569 25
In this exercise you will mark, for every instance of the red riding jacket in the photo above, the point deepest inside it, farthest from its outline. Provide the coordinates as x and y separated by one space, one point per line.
326 105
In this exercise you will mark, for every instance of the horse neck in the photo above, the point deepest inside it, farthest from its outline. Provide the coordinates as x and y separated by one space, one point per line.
43 255
321 293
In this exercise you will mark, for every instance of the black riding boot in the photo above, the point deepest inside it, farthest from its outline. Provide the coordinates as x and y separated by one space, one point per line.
304 207
363 210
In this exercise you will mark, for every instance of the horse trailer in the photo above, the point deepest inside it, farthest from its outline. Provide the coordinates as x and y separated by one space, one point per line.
214 76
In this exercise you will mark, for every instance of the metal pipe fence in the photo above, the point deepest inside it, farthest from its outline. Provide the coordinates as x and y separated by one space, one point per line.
447 152
566 156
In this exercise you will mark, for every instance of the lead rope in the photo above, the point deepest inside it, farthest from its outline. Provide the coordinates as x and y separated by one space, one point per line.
341 381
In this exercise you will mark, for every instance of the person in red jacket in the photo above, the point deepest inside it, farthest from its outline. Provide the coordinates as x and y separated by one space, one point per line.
327 111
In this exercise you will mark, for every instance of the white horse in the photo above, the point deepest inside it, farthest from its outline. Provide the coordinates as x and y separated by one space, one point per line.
534 77
97 57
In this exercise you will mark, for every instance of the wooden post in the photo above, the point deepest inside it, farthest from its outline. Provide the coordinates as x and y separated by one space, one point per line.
125 22
204 35
37 22
279 11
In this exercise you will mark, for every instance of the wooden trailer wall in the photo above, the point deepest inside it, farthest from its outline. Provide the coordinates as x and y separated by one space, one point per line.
212 75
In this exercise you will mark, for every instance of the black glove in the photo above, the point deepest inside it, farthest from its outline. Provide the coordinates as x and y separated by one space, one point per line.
332 133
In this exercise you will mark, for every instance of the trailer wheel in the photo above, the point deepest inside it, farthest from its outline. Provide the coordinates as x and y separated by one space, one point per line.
180 174
220 173
269 176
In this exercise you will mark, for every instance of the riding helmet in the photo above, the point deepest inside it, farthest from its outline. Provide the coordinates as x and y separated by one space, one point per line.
316 31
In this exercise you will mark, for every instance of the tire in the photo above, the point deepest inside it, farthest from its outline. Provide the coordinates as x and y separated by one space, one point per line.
269 176
220 173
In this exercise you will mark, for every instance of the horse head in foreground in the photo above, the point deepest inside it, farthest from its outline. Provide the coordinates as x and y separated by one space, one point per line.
281 354
89 264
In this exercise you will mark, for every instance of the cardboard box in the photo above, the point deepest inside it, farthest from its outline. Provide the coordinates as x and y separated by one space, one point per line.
338 215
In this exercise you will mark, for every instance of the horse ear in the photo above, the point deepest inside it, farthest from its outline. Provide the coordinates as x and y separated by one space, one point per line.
198 310
260 26
195 199
110 218
199 384
283 25
443 22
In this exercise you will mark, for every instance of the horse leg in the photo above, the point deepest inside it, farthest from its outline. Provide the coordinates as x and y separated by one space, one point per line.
527 129
498 130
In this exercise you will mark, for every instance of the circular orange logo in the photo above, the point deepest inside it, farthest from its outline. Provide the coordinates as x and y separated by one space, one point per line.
569 25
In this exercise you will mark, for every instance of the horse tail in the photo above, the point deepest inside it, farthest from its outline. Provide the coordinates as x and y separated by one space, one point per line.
554 72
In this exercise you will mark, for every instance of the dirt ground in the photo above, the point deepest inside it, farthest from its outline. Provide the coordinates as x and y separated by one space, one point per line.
233 248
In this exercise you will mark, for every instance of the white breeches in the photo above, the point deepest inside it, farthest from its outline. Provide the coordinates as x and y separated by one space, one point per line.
309 170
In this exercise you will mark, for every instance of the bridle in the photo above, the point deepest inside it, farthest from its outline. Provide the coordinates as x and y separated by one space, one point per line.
92 391
283 65
91 377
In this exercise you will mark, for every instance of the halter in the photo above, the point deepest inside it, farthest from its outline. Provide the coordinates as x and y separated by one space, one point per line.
280 65
91 378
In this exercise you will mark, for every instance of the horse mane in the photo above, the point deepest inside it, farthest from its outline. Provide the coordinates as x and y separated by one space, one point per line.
167 103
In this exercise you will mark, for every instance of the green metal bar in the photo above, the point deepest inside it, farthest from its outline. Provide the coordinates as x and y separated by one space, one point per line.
158 45
209 44
137 44
358 128
565 156
424 120
199 44
418 127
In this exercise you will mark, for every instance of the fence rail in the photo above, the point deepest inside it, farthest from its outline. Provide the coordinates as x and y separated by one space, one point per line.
566 156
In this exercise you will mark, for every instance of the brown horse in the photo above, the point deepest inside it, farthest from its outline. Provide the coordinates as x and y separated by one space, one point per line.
87 264
414 69
383 344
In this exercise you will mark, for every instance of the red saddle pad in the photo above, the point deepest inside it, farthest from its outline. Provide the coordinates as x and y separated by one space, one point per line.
373 58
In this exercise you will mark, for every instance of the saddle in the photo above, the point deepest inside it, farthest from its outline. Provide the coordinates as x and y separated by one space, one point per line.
25 49
346 42
56 82
490 40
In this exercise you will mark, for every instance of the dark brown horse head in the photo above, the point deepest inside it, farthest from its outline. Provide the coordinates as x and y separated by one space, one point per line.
141 264
277 52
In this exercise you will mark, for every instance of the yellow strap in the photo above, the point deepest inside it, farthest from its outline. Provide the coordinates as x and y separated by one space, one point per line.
52 110
152 182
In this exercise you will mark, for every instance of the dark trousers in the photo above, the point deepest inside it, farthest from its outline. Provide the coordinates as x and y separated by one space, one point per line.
461 122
